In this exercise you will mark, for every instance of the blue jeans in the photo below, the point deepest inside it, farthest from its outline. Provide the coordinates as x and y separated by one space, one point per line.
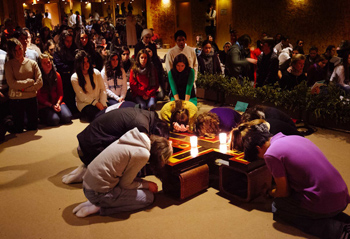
50 117
120 200
146 104
320 225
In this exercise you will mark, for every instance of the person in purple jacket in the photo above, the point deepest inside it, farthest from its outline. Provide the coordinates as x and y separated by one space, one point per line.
219 119
309 193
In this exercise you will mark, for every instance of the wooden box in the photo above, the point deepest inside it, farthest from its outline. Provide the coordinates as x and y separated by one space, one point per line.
244 185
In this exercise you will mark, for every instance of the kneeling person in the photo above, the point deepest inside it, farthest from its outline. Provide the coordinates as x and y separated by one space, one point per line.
110 182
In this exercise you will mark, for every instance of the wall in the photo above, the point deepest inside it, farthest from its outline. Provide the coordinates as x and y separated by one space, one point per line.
161 17
317 22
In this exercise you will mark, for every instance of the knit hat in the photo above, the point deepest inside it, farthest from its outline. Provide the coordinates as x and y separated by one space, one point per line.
227 43
145 32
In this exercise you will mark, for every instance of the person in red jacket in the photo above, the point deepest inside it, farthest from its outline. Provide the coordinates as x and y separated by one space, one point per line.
52 111
144 81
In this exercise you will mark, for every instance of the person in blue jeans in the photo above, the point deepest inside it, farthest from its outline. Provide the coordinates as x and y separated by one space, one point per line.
309 193
52 110
110 182
144 81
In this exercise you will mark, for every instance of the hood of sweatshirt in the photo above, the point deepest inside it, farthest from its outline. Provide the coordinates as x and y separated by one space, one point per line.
135 138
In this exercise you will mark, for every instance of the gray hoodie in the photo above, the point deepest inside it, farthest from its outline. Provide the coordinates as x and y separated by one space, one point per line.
119 164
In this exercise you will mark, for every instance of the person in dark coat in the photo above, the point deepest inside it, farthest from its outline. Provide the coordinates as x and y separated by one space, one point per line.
109 127
208 60
267 70
64 58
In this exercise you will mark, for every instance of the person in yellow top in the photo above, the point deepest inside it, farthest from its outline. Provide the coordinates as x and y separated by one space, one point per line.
171 107
47 21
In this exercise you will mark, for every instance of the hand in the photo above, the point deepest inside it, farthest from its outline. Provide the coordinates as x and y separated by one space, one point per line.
57 107
180 128
251 60
153 187
120 99
100 106
145 97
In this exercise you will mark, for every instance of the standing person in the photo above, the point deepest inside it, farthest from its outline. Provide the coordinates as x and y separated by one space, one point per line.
181 80
115 187
223 53
210 20
52 110
131 37
309 194
311 58
88 85
6 122
267 66
181 47
237 64
47 22
64 61
22 36
284 43
208 60
144 81
24 80
114 78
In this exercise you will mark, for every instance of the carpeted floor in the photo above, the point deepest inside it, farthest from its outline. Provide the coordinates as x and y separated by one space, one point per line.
35 204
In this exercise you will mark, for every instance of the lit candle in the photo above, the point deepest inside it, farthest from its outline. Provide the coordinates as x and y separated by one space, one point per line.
223 148
194 152
193 141
222 137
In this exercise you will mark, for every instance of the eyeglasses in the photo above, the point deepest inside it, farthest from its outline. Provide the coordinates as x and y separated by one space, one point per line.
126 54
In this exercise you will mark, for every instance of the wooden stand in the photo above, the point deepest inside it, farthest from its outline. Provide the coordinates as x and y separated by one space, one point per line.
244 185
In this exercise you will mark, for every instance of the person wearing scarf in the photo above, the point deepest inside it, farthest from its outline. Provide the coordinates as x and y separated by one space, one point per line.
181 80
144 81
294 75
52 111
208 61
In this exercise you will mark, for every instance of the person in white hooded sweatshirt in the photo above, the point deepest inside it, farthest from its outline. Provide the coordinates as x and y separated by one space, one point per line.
110 182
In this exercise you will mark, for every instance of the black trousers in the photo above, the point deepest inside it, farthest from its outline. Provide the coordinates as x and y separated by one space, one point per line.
20 109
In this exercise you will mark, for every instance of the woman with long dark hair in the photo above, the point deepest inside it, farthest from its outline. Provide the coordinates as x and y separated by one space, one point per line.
181 80
52 110
64 62
84 42
88 85
114 78
144 81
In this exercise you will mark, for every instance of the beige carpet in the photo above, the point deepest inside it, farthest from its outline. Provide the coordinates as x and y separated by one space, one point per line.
35 204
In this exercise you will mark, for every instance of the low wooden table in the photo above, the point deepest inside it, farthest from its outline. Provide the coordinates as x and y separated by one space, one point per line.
189 169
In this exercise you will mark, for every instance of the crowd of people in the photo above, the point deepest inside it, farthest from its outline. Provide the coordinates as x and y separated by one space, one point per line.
56 74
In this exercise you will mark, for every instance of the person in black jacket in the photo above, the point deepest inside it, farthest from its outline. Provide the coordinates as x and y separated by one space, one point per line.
63 58
294 75
267 71
109 127
208 61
